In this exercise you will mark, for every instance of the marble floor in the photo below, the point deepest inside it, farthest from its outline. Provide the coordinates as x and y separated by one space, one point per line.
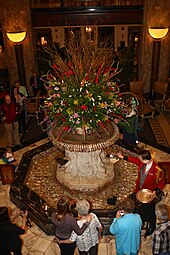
36 242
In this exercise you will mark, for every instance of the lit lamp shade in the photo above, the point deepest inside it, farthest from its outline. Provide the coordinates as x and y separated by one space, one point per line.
16 37
158 33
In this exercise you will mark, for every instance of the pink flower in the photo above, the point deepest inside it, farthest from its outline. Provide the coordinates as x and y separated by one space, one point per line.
76 115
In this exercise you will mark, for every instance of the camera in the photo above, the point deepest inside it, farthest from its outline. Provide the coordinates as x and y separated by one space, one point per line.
122 213
23 210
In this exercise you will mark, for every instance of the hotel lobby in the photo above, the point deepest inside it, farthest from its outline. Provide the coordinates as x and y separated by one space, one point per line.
133 37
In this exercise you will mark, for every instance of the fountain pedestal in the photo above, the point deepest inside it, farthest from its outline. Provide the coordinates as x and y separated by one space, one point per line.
87 168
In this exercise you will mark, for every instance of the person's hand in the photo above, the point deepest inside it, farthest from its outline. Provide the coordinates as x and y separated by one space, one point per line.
4 118
154 194
24 214
89 218
56 240
120 155
119 214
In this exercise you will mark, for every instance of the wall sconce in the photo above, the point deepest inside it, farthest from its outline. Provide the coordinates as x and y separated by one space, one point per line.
17 38
157 33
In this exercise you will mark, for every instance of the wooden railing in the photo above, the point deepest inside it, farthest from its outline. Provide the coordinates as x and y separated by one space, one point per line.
74 3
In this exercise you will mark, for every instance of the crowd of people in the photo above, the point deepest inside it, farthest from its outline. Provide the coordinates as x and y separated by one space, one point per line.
84 230
13 111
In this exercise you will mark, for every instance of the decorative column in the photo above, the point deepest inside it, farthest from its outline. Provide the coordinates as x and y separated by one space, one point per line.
157 34
16 17
17 38
156 15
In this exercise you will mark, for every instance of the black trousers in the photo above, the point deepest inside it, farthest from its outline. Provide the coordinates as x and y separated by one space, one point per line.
67 249
22 122
8 252
93 251
146 211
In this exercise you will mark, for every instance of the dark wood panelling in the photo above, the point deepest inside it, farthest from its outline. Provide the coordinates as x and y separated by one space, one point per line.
87 16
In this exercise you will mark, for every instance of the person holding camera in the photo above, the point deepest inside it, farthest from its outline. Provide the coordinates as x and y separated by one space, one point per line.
10 233
127 227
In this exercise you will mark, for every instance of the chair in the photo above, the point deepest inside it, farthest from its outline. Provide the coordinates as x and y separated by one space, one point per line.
33 105
136 87
159 94
146 109
167 104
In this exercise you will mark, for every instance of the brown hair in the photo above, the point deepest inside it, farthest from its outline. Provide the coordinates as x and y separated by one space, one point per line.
128 205
145 155
63 207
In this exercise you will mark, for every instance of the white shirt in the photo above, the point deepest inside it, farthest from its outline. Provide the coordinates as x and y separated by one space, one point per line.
148 166
89 238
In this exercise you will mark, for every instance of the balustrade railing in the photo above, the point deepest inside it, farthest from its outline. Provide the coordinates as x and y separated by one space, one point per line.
74 3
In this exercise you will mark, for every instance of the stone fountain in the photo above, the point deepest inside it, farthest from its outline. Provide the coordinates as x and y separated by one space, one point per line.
88 168
75 167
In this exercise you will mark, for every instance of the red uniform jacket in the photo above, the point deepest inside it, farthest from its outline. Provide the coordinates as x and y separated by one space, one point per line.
154 178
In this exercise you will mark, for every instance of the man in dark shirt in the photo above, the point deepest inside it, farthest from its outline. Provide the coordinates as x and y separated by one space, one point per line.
8 112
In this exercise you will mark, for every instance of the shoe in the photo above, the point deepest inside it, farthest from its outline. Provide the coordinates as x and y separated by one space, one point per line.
149 231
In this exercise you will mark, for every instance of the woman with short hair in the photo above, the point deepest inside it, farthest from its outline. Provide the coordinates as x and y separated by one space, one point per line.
65 223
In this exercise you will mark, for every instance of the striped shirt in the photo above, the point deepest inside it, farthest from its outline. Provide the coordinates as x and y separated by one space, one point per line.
161 239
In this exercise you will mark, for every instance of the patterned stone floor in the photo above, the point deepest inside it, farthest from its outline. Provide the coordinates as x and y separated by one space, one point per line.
36 242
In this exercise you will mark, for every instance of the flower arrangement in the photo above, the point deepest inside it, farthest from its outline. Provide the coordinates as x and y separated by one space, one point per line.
81 91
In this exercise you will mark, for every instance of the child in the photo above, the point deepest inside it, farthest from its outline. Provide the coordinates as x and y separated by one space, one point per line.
6 157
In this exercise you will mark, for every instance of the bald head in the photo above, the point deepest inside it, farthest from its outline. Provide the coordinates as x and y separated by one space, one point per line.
7 99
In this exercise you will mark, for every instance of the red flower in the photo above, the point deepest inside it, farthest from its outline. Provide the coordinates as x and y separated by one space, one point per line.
84 107
66 128
97 79
101 124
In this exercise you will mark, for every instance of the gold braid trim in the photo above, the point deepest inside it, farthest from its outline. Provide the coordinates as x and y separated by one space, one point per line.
159 172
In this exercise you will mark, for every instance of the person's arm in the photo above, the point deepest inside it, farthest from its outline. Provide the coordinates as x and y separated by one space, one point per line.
131 159
72 239
114 227
128 124
24 219
79 231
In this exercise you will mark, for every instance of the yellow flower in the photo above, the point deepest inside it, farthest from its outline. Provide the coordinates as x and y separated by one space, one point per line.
75 102
69 111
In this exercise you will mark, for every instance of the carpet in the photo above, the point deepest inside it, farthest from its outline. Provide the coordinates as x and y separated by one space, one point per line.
156 132
34 133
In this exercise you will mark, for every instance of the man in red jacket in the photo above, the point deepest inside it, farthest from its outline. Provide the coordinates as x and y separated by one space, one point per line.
150 176
8 113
